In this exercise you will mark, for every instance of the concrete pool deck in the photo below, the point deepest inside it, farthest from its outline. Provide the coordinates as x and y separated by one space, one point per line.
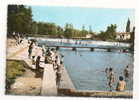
66 82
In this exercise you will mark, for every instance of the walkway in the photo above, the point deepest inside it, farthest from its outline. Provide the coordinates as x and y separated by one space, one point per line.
49 87
23 84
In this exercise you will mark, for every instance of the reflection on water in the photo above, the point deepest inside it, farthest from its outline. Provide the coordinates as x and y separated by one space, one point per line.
86 68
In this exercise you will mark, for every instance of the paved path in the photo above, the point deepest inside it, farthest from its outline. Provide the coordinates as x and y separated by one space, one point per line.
23 84
16 49
49 87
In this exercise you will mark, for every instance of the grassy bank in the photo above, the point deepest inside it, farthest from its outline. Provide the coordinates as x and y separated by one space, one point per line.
13 70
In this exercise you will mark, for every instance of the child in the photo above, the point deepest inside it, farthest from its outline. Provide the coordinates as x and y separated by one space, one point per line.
121 84
126 72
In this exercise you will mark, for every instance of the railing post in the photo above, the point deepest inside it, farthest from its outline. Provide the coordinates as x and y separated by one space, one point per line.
74 48
57 47
91 49
109 49
124 50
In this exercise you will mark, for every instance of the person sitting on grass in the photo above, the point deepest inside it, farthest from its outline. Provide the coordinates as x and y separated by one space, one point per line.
121 84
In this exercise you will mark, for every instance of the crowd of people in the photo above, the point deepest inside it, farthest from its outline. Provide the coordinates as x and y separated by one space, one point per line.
51 56
121 84
17 38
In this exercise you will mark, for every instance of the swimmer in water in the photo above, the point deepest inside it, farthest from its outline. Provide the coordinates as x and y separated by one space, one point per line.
126 72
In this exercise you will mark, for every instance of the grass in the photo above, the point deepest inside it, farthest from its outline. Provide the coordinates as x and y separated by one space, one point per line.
13 70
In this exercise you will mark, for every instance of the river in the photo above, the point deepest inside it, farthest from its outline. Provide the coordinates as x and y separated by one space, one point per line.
86 68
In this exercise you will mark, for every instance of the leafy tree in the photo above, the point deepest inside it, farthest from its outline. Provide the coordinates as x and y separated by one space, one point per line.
60 31
84 31
34 28
19 19
109 34
68 30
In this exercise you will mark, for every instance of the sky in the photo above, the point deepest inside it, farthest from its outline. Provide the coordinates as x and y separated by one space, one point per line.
97 18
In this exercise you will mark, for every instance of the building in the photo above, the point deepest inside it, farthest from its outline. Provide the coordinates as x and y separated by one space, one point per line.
88 35
123 35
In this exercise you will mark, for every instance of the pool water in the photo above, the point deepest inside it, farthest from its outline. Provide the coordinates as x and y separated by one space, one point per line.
87 69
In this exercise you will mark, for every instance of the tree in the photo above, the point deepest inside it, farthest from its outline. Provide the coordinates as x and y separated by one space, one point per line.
128 26
68 30
34 28
111 31
109 34
60 31
19 19
84 32
90 29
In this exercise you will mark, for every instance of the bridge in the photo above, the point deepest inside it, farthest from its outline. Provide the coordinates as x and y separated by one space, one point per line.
108 48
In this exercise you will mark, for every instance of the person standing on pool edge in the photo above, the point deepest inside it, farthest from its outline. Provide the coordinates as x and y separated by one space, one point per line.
30 49
110 78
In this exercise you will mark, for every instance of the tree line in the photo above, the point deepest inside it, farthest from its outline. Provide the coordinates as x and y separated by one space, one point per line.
20 21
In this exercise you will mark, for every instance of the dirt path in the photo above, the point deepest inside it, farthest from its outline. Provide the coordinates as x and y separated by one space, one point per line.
27 84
